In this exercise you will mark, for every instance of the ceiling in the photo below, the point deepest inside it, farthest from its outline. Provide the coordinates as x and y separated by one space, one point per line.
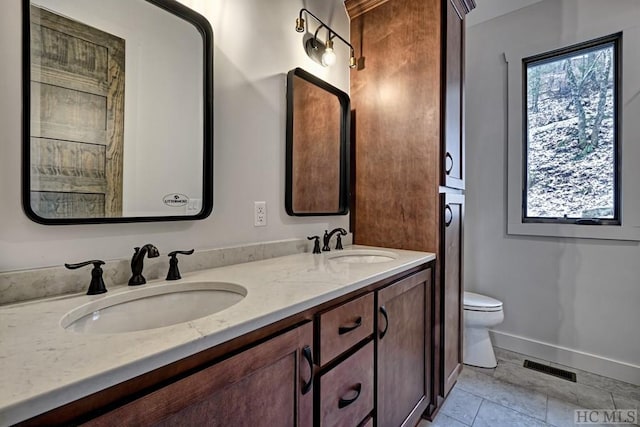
489 9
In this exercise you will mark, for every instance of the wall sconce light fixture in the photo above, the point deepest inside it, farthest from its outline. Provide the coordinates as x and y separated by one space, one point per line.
322 52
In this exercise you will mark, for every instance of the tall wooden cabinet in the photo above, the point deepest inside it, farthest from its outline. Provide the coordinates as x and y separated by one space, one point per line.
407 98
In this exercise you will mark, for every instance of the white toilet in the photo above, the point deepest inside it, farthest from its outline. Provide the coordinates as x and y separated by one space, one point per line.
480 313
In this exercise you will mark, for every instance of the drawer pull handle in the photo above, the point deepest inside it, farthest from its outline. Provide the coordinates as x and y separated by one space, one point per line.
448 216
448 163
344 329
346 401
306 353
383 310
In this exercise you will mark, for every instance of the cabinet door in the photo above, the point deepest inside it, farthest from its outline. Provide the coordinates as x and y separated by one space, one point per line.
404 346
264 385
452 288
453 132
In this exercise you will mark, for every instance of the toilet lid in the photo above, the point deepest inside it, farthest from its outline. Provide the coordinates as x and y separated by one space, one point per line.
473 301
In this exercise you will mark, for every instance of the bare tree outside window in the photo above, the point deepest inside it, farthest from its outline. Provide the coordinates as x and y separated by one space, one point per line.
571 133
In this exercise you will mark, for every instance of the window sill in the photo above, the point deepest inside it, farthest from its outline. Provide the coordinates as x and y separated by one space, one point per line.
606 232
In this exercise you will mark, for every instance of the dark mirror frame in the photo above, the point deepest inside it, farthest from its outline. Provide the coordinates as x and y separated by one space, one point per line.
345 132
203 26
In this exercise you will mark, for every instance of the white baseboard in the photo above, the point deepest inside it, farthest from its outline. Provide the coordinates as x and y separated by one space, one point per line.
565 356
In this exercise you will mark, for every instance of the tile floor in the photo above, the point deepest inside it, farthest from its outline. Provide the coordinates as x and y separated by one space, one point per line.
513 396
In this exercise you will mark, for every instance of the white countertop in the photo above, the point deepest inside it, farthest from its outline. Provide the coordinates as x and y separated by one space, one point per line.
43 366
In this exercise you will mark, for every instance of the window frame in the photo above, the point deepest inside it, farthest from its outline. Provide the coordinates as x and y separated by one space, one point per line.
614 40
629 128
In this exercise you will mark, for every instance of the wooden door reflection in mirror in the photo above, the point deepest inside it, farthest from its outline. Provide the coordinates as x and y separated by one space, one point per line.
77 115
317 146
101 145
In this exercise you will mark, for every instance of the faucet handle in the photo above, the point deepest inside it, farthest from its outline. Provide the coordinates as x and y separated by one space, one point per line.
96 264
174 253
97 283
339 243
325 240
316 243
174 273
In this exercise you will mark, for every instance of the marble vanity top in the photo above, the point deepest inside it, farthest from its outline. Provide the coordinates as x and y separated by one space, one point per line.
44 366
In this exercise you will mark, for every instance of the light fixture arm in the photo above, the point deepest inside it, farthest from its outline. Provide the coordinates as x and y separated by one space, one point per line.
315 35
332 33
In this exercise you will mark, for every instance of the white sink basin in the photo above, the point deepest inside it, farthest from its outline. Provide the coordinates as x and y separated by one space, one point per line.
152 307
362 256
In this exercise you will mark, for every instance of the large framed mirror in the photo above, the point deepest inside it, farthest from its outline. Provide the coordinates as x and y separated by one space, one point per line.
117 111
317 148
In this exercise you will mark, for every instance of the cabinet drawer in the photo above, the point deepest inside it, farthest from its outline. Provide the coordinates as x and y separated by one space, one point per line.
346 391
345 326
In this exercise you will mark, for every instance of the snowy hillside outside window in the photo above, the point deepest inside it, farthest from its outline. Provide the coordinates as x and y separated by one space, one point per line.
571 134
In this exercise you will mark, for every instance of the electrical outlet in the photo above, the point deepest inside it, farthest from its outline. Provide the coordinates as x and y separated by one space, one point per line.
259 214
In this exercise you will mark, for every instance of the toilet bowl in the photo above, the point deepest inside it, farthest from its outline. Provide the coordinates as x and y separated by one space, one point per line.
480 313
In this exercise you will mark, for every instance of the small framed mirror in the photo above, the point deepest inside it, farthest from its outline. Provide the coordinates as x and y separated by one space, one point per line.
317 152
118 111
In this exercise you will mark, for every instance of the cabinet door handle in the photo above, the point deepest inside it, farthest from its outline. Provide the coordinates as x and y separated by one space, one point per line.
346 401
383 310
448 163
344 329
306 353
447 221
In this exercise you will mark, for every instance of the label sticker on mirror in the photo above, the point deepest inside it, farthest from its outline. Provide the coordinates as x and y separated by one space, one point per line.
175 200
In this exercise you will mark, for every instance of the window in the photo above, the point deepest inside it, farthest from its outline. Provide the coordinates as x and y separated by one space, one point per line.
571 161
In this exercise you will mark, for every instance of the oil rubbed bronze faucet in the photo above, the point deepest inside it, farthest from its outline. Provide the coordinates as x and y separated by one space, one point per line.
97 283
174 272
137 263
316 244
327 238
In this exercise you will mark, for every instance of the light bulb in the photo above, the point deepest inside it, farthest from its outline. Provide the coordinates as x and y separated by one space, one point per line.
328 56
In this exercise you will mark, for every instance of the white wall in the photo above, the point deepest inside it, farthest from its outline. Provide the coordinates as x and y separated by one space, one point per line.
583 295
255 46
489 9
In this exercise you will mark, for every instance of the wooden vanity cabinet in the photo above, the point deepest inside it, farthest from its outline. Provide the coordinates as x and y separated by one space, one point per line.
404 350
262 386
370 353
